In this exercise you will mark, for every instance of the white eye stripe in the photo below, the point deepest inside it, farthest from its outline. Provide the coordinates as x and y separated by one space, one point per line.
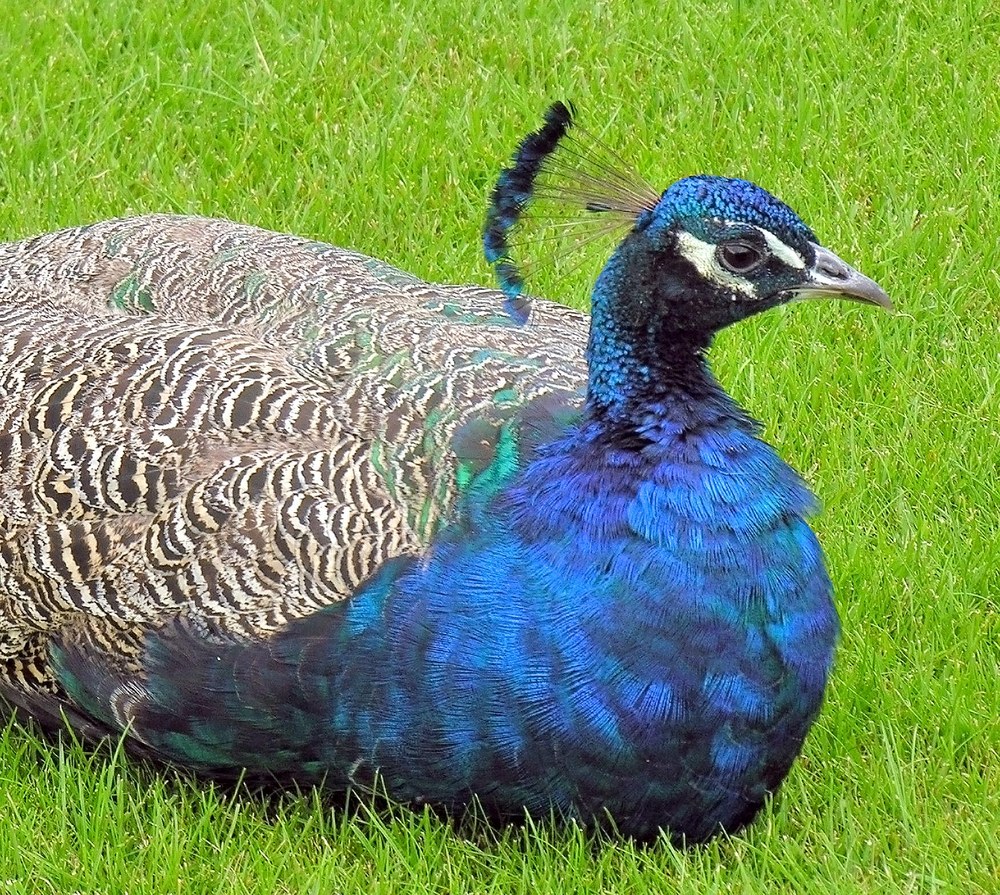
782 251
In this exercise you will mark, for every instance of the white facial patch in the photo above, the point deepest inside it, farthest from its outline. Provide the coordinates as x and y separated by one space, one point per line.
702 255
782 252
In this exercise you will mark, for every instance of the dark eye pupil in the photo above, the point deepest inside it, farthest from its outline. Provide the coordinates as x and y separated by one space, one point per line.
739 257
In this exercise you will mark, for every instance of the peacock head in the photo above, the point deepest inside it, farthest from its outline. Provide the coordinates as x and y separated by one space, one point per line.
703 254
713 250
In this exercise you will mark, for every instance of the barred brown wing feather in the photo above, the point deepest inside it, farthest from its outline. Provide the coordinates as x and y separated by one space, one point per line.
149 467
197 415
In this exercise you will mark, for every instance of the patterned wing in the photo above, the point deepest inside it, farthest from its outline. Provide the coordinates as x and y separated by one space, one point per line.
211 419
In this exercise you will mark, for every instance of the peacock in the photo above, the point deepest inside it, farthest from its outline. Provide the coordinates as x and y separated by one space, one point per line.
277 511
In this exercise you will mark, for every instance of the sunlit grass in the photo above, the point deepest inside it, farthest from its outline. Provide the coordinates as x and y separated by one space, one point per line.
381 126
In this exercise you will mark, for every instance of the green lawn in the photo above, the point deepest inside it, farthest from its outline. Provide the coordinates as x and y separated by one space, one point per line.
381 127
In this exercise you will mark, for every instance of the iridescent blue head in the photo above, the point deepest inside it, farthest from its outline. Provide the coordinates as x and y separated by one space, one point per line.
706 253
713 250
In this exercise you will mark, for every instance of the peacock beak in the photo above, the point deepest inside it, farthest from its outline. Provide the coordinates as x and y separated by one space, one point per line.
832 278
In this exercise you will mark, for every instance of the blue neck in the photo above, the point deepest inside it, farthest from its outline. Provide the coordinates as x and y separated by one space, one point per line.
640 354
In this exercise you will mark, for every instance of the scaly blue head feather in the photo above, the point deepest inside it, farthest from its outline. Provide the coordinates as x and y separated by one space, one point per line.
703 198
575 173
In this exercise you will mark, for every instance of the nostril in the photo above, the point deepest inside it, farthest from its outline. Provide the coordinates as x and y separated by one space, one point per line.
833 268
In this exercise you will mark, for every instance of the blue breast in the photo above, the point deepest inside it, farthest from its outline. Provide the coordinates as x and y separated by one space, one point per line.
635 635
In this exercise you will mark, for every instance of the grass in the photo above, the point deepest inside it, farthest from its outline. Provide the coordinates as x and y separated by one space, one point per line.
381 126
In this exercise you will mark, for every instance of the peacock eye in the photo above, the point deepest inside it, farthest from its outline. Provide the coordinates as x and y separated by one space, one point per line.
740 257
